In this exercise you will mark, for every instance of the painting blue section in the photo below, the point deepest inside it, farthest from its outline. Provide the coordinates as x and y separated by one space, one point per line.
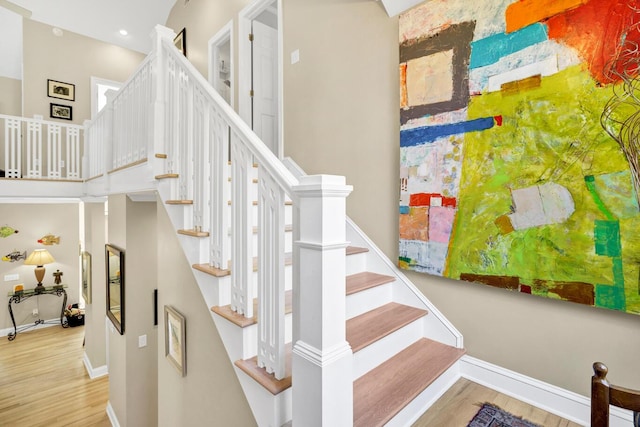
489 50
404 210
425 134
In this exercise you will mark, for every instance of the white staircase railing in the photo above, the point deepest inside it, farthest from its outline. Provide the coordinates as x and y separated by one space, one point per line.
40 149
169 106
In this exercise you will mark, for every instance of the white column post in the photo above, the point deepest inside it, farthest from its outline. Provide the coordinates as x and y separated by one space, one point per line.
158 127
322 359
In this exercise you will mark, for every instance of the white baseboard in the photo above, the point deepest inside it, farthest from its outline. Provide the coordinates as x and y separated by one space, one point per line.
112 415
553 399
94 373
50 322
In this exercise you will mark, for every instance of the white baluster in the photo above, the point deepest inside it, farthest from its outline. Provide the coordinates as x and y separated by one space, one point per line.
54 151
220 244
242 229
34 149
13 151
271 259
73 153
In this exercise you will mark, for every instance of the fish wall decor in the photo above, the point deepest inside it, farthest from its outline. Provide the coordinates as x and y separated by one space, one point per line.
49 240
15 256
7 231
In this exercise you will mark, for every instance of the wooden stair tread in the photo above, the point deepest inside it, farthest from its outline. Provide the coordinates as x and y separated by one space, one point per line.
255 203
239 319
268 381
382 392
194 233
161 156
366 280
373 325
213 271
353 250
167 175
179 202
218 272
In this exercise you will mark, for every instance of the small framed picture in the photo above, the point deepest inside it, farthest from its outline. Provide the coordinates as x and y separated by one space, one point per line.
175 348
61 90
86 277
57 111
181 41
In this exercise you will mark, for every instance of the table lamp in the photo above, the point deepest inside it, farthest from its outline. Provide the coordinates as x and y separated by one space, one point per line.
39 258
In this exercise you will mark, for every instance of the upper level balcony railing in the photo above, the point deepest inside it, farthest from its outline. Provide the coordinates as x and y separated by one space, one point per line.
40 149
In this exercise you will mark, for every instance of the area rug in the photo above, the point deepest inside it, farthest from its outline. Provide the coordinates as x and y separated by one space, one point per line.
492 416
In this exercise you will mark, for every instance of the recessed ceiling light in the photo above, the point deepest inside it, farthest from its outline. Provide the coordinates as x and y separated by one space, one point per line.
123 32
57 32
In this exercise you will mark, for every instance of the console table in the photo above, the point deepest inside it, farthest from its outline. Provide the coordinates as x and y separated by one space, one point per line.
19 296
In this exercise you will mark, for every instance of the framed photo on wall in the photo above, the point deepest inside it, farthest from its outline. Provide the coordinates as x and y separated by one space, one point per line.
61 90
175 348
181 41
86 277
57 111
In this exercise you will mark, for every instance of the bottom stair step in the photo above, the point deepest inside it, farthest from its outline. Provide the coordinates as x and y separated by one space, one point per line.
381 393
268 381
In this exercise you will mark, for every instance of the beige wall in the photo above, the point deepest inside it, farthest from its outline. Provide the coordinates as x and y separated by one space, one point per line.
116 343
95 226
210 393
133 369
142 362
11 99
33 221
341 117
73 59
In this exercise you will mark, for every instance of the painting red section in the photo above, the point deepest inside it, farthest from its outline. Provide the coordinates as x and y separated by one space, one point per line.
424 199
600 24
498 120
449 202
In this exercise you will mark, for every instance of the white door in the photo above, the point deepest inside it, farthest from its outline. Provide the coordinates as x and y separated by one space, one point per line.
265 84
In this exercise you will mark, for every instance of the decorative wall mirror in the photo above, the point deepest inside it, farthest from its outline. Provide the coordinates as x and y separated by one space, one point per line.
86 277
115 286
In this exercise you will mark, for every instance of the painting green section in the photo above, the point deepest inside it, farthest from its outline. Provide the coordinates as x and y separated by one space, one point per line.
549 134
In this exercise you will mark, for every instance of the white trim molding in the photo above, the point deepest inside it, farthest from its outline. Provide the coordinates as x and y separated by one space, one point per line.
112 415
564 403
94 373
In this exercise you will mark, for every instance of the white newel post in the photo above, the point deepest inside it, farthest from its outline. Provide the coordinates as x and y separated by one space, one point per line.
158 114
322 359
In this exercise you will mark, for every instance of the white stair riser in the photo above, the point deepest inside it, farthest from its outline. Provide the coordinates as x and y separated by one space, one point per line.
250 337
437 330
387 347
216 290
367 300
356 263
268 410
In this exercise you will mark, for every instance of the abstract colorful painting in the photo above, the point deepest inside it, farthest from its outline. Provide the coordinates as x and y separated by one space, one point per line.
519 139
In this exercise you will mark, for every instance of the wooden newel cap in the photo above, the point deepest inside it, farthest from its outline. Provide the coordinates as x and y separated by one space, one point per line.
600 370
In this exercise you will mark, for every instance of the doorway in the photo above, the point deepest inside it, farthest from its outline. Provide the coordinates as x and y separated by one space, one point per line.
260 77
99 88
221 63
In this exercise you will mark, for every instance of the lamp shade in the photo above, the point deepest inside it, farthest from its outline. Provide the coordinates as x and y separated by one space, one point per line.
39 257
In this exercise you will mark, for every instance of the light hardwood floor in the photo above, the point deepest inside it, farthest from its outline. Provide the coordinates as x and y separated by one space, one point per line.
462 401
43 381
